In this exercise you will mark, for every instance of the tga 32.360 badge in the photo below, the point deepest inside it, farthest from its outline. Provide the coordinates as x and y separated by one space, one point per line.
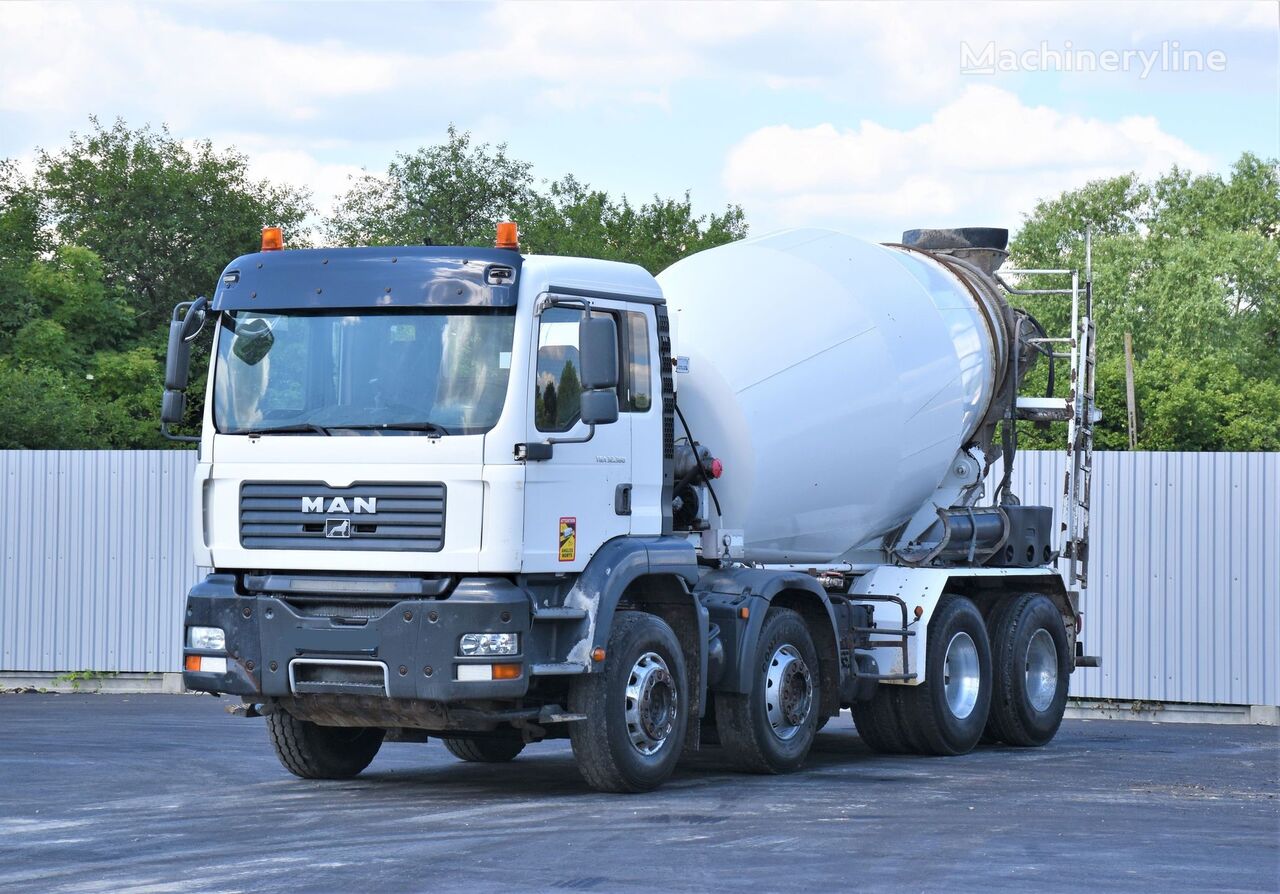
568 539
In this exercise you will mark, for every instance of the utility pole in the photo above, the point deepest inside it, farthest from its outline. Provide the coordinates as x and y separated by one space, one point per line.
1128 384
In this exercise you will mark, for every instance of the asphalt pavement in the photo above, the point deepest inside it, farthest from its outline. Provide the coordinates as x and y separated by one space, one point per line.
155 793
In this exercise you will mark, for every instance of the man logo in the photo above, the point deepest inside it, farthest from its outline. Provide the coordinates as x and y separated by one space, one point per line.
339 505
337 528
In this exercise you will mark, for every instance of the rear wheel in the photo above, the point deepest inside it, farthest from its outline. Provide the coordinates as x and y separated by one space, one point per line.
485 749
637 708
947 713
771 728
1031 671
312 751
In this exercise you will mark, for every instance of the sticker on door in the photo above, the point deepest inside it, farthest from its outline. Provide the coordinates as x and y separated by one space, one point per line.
568 539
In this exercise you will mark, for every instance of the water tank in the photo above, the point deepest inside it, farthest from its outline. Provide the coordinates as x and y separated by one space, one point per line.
835 379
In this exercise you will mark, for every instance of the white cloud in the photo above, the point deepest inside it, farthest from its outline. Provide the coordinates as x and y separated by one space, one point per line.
286 91
980 160
63 57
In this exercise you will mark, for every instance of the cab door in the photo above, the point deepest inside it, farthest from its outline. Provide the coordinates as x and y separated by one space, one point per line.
580 497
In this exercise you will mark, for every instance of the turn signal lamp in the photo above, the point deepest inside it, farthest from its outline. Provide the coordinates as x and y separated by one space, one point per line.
508 236
272 239
204 664
479 672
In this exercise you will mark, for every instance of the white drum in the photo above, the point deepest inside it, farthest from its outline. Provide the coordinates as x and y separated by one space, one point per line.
835 379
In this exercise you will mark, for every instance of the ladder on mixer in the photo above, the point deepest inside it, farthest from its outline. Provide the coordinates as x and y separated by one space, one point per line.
1078 409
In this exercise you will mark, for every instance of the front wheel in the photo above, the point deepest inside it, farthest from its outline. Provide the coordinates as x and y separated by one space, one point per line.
1031 660
771 728
637 708
312 751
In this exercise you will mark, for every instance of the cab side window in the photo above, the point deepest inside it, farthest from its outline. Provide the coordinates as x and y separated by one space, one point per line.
558 382
557 400
637 395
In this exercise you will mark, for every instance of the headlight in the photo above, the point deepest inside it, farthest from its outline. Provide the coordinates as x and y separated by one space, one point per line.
478 645
212 639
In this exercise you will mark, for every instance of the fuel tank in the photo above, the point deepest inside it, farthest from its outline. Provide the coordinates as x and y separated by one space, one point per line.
835 378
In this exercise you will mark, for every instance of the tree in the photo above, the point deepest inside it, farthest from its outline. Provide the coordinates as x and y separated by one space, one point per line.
70 288
574 219
453 193
43 410
20 227
456 192
1191 266
124 387
164 216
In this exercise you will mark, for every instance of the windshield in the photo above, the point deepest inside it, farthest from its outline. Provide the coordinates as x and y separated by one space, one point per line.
409 371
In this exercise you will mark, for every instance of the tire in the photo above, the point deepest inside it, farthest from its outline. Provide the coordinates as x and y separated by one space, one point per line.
637 708
942 716
312 751
485 749
771 728
1031 671
879 721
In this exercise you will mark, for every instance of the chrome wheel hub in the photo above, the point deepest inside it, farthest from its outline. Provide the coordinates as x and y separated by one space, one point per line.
1042 670
788 692
652 703
960 675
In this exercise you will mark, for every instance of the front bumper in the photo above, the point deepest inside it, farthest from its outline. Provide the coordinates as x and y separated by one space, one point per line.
415 640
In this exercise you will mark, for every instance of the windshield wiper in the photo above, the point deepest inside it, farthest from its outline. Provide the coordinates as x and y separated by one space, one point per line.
428 427
298 428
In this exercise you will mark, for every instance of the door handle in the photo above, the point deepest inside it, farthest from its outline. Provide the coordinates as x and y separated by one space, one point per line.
622 500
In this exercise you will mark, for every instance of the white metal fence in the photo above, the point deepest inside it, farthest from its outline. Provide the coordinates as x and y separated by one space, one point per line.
1183 603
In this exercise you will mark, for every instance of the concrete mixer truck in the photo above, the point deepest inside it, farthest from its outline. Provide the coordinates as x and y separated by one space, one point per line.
494 498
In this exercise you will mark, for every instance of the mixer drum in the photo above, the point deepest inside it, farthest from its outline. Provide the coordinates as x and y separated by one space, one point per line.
835 378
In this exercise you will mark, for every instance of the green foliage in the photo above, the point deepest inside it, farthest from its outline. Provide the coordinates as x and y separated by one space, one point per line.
20 225
164 216
44 343
124 388
71 290
573 219
43 409
95 249
1189 265
455 193
117 226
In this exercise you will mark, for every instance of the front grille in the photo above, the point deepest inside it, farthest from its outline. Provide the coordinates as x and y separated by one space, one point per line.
302 515
370 611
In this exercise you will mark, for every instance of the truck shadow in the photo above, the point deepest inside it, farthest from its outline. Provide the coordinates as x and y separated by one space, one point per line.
548 771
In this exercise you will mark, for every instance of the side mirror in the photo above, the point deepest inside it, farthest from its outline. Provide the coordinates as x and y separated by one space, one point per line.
172 407
193 322
183 328
600 406
598 352
182 331
253 340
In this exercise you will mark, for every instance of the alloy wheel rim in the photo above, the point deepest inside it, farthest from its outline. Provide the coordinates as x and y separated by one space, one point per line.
1042 670
961 675
652 704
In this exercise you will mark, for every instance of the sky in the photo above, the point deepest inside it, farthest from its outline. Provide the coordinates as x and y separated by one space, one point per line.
867 117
